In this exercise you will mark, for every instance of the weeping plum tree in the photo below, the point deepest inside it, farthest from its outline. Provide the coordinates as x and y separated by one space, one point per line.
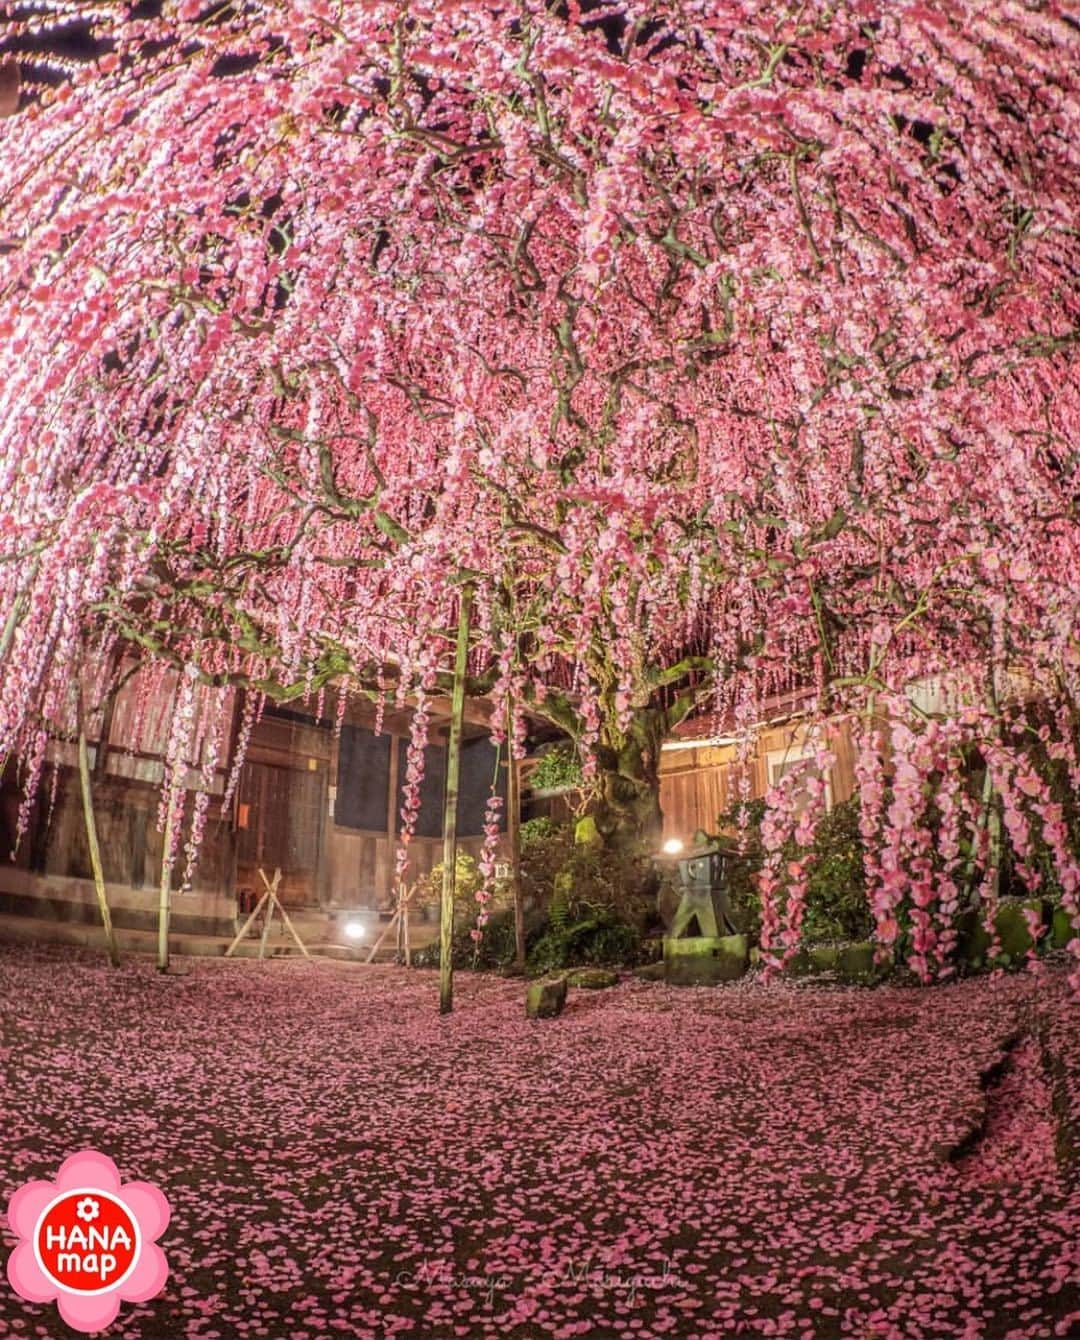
718 348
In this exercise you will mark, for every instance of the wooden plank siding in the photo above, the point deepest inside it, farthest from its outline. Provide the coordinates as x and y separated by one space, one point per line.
698 782
286 815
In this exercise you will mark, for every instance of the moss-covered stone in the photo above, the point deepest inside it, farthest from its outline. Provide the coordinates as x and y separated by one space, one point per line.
849 963
545 999
1012 928
652 972
700 960
973 942
855 962
1061 928
813 960
585 833
593 979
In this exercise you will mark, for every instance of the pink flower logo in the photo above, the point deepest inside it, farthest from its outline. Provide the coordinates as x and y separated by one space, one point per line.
88 1241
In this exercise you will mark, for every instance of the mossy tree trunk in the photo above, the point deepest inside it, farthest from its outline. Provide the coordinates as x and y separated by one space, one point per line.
627 807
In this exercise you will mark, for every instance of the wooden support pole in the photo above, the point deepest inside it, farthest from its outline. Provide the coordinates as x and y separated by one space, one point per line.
513 831
453 777
95 849
286 919
391 925
244 928
165 890
267 919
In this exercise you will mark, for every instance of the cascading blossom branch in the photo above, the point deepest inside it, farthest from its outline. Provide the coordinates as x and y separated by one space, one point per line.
711 345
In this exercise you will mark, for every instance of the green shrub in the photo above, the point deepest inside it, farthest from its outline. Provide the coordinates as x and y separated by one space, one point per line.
599 940
428 893
557 770
583 906
742 895
836 906
494 951
567 879
546 847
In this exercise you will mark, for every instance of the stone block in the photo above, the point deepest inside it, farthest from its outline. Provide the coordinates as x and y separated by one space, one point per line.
973 942
855 962
1061 928
701 960
545 999
593 979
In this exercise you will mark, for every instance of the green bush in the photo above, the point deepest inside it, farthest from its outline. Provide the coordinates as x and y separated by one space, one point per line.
428 894
569 880
598 940
583 907
496 950
557 770
546 847
836 906
742 895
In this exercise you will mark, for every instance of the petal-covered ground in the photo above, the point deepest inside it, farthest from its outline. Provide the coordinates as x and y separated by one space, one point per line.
746 1160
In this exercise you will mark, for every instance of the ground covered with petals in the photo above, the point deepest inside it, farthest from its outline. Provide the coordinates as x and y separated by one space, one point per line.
747 1160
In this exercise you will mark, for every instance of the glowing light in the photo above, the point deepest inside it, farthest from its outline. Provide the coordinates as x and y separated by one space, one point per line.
355 930
673 846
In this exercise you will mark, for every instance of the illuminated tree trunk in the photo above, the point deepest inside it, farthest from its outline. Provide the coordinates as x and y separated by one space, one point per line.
513 830
95 850
453 773
165 891
627 808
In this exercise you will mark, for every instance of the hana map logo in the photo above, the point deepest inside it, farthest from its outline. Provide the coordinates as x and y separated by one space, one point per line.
87 1241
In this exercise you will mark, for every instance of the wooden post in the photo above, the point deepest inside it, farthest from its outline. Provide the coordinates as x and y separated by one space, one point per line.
244 928
391 925
272 890
453 775
164 893
95 850
267 919
513 830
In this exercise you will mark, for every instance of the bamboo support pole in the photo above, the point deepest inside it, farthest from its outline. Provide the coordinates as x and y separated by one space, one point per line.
267 919
165 890
95 849
453 776
286 919
244 928
513 830
391 925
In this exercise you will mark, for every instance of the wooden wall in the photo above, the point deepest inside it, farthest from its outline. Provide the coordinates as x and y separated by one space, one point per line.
285 816
283 812
700 782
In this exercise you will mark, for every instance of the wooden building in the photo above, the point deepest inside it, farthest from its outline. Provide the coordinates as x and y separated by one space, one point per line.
320 803
701 775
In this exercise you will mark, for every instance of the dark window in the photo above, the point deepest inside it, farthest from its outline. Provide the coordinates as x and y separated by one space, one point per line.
363 779
478 761
432 788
